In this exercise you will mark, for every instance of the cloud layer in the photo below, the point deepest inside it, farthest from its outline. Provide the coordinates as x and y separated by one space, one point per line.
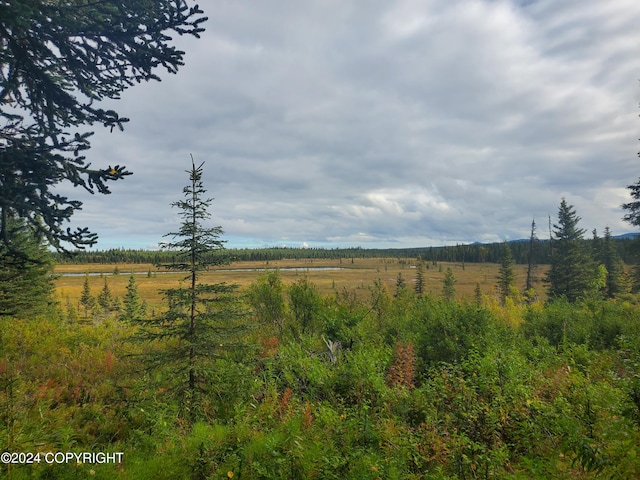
376 123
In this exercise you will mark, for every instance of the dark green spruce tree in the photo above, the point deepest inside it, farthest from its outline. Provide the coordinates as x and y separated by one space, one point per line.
616 280
105 299
572 271
532 252
506 273
200 329
633 208
419 286
58 61
477 294
87 301
633 217
132 309
401 286
26 285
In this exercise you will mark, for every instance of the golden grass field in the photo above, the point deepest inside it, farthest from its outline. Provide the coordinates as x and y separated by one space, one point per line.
356 274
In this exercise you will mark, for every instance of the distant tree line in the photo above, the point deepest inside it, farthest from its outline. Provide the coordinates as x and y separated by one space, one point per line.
626 248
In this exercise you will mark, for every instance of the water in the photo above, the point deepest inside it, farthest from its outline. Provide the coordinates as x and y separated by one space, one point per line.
104 274
261 269
282 269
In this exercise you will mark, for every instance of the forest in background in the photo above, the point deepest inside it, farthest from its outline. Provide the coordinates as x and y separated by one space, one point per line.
625 246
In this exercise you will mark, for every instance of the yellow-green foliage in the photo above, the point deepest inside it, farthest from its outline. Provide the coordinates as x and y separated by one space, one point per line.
378 386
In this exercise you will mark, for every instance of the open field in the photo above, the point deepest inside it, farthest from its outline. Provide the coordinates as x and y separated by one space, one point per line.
329 275
406 388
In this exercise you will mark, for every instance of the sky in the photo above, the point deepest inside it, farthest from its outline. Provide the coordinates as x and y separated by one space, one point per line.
376 124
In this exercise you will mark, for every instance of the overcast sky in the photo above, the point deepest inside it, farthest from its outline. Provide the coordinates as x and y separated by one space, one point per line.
383 124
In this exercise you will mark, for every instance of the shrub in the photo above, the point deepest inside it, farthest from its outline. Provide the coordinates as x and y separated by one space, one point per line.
448 331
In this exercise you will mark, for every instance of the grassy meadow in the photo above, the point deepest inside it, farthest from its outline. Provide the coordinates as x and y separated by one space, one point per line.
329 275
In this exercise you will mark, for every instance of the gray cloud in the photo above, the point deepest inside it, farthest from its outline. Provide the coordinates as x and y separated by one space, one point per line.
384 124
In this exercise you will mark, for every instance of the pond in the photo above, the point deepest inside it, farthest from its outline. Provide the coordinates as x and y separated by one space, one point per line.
261 269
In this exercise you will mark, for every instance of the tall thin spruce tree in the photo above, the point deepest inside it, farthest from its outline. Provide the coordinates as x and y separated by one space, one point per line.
632 216
419 286
616 279
531 260
87 301
133 308
506 274
401 286
201 325
572 271
105 299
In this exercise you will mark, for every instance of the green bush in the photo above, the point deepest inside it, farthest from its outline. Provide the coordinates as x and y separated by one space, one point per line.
448 331
596 323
